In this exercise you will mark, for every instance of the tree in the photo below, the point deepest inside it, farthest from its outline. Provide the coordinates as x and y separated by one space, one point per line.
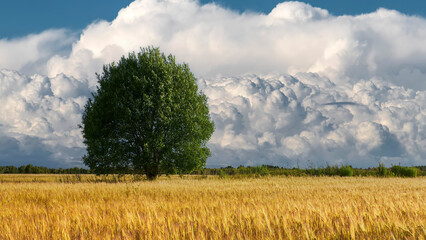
147 117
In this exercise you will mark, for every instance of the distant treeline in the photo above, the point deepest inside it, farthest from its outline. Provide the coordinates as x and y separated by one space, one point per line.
264 170
30 169
267 170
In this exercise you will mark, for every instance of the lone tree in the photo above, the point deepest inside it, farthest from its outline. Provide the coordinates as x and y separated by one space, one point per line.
146 117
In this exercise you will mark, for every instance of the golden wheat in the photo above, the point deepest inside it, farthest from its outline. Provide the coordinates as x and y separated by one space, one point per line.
264 208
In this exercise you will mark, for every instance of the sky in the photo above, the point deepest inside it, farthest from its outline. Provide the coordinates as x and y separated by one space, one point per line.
307 84
23 17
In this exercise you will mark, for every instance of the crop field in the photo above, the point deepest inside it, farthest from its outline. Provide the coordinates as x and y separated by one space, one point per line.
79 207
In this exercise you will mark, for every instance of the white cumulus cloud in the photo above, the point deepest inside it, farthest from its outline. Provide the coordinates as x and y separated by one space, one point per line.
293 37
305 119
30 53
296 86
39 119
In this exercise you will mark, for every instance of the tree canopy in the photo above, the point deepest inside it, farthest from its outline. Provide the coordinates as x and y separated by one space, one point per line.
147 116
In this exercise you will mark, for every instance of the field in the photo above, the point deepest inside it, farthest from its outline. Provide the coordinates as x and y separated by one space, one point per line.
78 207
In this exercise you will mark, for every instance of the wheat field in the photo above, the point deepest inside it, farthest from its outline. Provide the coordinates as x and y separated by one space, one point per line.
44 207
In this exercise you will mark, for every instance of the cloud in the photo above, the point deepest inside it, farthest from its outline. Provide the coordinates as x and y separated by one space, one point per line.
294 87
39 119
30 53
296 12
260 119
293 37
288 121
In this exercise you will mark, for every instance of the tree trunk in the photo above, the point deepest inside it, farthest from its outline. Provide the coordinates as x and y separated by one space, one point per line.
153 169
151 175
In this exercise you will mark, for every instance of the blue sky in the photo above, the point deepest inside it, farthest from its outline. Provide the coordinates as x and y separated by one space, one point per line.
22 17
335 7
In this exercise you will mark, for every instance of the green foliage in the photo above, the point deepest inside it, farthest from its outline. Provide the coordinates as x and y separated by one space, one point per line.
382 171
222 174
266 170
262 171
404 171
242 171
147 117
346 171
30 169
